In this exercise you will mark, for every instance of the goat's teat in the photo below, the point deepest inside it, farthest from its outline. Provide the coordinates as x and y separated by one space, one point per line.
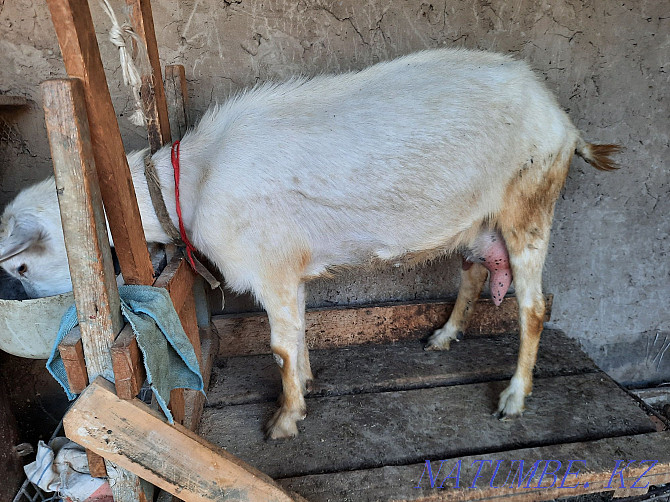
489 249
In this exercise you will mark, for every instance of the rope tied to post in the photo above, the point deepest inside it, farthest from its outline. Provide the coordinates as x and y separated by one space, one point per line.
120 35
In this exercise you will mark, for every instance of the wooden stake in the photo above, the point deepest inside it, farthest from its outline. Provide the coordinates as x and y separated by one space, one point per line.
72 352
89 254
79 46
129 372
84 228
152 91
171 457
177 100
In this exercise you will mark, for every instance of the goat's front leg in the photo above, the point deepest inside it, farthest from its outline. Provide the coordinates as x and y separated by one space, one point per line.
304 367
285 307
472 281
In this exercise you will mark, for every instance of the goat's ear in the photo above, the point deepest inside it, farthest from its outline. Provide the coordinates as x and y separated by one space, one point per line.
17 236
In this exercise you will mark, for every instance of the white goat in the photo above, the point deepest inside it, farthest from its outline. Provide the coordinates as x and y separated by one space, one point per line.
435 152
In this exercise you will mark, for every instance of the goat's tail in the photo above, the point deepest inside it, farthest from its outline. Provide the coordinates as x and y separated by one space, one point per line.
599 156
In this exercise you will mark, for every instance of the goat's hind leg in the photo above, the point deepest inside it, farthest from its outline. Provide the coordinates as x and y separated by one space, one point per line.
527 262
472 281
525 226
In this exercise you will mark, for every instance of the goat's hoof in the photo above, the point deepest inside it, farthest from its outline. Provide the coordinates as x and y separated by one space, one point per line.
283 424
440 340
309 386
511 404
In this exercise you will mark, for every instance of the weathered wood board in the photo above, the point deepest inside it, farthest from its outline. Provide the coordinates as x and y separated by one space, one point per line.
594 467
152 92
360 431
171 457
248 334
399 366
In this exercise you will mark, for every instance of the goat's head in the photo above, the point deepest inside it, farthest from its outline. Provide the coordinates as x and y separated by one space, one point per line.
32 248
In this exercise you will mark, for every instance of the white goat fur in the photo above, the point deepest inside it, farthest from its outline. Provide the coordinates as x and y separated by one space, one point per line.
413 157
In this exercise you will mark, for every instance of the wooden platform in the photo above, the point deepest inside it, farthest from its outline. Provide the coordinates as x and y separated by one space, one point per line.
377 413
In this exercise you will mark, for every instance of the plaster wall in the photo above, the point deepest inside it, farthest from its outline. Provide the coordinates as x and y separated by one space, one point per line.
608 264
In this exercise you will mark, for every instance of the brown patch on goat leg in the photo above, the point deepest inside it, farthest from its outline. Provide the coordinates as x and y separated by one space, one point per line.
530 199
533 323
525 223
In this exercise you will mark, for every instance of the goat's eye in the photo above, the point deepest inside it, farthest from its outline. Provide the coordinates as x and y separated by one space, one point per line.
22 269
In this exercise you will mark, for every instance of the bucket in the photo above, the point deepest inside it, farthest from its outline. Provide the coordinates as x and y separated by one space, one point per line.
28 328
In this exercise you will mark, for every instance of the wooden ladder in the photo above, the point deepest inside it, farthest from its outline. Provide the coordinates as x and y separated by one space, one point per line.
126 439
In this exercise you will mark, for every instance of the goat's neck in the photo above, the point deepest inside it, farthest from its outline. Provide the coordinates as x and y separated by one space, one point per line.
162 160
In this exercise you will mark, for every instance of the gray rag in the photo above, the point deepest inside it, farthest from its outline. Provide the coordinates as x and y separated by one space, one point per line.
169 358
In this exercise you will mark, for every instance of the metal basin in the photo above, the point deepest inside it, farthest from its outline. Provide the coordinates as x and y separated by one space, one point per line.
28 328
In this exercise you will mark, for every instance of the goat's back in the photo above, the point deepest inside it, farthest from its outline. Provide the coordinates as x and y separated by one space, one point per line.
405 156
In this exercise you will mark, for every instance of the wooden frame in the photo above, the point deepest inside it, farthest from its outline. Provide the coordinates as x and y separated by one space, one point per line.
79 115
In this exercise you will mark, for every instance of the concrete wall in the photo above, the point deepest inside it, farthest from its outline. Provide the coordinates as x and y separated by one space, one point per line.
607 62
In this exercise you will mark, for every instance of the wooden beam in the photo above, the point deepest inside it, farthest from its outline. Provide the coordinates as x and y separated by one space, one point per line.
177 100
178 278
189 322
194 400
248 334
171 457
129 372
84 229
72 353
79 46
83 219
152 91
96 465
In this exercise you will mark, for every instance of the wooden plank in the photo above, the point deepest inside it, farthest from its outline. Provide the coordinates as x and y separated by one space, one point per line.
96 465
400 366
129 372
248 334
7 100
364 431
84 229
79 46
195 401
592 473
72 352
171 457
189 322
83 219
178 278
177 100
152 91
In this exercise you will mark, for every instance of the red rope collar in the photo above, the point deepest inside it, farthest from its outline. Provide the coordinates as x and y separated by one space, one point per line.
190 249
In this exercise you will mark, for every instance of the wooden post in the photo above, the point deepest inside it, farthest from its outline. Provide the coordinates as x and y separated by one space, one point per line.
71 351
84 228
152 91
129 372
177 100
79 46
171 457
89 254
